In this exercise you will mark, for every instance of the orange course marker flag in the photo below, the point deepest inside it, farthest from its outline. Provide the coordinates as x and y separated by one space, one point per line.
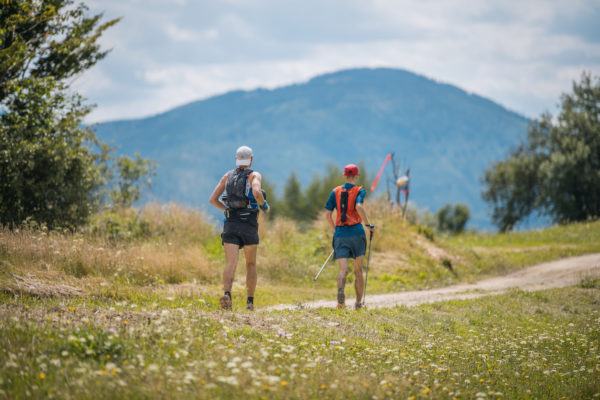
374 186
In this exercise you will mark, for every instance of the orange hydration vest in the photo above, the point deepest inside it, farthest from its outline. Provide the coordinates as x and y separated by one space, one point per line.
352 217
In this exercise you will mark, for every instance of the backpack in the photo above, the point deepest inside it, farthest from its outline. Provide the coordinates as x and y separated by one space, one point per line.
346 205
237 188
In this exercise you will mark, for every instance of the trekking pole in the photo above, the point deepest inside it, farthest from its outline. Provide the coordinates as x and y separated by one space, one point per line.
326 261
367 275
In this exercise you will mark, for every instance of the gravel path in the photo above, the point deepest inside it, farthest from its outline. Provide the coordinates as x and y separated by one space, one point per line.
554 274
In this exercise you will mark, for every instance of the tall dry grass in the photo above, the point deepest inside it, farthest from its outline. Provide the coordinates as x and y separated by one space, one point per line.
285 253
170 244
173 250
178 223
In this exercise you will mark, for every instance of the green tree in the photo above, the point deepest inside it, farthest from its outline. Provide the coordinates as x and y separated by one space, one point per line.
49 170
320 188
132 175
293 202
453 219
364 179
556 172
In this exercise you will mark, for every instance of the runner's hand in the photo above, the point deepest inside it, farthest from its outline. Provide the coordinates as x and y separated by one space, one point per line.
265 207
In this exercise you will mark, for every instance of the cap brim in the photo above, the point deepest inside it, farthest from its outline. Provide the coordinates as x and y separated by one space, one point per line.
242 163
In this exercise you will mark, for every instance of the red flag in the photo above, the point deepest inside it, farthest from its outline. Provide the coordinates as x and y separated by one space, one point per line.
374 186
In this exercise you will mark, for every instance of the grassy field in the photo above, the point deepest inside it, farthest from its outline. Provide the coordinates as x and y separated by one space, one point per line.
127 308
517 345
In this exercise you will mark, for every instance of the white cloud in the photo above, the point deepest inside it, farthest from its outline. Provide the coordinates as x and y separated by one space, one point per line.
178 34
95 80
166 55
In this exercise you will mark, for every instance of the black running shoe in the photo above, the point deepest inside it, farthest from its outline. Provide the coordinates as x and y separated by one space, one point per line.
225 302
341 297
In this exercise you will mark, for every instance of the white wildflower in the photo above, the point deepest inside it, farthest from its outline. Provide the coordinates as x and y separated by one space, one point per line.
188 378
230 380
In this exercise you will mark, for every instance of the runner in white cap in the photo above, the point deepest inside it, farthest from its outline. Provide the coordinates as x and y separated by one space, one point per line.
240 229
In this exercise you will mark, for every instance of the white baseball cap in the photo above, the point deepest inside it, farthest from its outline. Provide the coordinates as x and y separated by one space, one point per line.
243 156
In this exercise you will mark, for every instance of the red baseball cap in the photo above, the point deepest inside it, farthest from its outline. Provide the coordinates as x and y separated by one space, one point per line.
350 170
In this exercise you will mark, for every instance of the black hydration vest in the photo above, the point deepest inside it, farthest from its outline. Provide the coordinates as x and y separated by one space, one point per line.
236 188
237 200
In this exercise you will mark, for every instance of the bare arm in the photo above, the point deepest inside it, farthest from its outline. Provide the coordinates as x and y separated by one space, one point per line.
329 216
363 215
217 192
256 180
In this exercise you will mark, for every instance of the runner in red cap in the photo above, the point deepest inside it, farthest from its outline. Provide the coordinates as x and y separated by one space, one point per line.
349 240
350 170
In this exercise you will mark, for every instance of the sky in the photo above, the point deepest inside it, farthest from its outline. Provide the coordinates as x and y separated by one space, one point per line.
164 53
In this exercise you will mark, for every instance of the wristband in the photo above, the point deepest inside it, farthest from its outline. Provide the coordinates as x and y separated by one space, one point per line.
265 206
370 226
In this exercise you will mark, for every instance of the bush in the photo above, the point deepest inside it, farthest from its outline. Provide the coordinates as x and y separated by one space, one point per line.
453 219
124 224
425 231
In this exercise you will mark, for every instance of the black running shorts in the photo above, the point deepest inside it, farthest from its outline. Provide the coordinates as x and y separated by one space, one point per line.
349 246
240 233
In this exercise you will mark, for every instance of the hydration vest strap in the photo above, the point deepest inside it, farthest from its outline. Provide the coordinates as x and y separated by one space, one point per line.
344 204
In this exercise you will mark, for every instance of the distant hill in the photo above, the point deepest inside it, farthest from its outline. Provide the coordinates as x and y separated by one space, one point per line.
446 135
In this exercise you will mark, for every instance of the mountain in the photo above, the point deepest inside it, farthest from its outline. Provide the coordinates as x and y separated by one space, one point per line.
444 134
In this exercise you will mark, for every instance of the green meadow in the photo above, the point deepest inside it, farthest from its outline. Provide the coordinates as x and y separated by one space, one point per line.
128 308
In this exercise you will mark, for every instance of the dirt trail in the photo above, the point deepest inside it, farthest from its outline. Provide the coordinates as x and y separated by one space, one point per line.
554 274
